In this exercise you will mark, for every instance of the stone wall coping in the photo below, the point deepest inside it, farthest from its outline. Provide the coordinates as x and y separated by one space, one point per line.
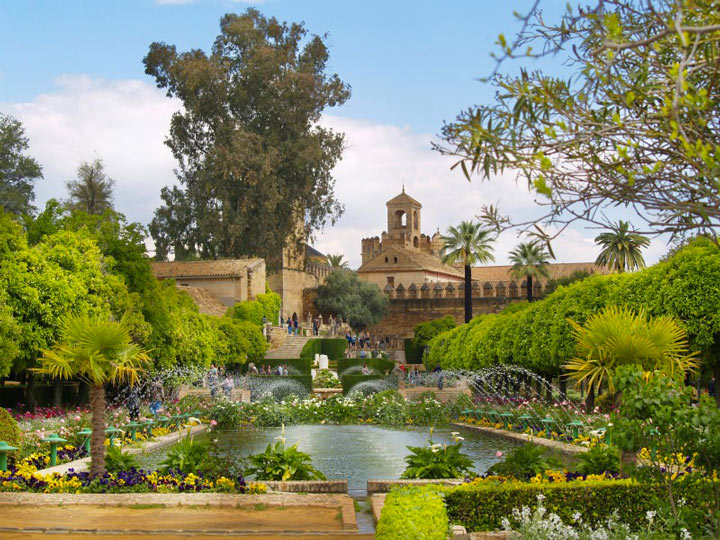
307 486
81 465
343 502
565 448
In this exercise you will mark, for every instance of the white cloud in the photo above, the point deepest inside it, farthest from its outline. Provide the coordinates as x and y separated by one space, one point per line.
126 121
123 122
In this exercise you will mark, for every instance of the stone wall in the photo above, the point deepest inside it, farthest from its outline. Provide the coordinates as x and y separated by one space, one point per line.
290 284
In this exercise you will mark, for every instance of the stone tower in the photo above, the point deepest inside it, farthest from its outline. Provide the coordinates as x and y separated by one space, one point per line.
403 222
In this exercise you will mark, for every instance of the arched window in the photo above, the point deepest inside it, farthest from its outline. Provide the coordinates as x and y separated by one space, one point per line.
386 260
416 226
400 218
416 242
395 260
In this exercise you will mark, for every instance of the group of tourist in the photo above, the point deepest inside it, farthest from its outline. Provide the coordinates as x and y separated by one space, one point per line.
217 380
280 369
292 323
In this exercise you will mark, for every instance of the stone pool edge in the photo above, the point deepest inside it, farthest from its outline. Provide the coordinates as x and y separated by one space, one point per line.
565 448
82 465
343 502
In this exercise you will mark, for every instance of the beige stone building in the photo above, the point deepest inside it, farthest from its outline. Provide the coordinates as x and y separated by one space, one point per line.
214 284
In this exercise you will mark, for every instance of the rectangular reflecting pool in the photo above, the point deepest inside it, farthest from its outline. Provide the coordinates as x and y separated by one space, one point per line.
354 452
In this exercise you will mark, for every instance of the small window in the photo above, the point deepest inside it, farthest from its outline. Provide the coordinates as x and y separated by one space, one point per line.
391 281
416 242
395 260
386 260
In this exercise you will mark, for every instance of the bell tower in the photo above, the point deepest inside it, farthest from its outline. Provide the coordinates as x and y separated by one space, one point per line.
403 221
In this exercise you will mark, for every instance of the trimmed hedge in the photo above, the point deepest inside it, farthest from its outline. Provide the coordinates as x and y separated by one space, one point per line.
303 365
305 380
482 507
379 364
413 353
413 513
44 395
348 381
334 348
9 430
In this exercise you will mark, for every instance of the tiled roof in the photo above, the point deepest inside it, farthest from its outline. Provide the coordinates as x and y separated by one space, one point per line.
194 269
206 301
557 270
403 198
408 261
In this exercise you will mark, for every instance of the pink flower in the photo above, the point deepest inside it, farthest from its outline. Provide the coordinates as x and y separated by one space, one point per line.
213 422
498 454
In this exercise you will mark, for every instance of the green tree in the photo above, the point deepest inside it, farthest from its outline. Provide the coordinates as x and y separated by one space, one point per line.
529 261
618 336
18 172
468 244
621 248
632 121
92 192
336 261
358 302
424 332
253 160
98 351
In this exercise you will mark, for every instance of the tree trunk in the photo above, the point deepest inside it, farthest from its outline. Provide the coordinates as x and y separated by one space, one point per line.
468 293
548 380
538 387
529 288
590 400
57 393
97 440
30 400
563 386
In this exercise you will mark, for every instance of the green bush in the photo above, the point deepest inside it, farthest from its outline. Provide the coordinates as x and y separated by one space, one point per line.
599 459
270 303
9 430
334 348
251 311
413 353
281 464
302 365
348 381
482 507
116 460
187 456
413 513
526 461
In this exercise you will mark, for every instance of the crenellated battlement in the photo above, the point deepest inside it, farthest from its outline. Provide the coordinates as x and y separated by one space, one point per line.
454 289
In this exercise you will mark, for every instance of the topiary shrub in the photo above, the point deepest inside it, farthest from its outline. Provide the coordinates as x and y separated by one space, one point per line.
9 431
413 512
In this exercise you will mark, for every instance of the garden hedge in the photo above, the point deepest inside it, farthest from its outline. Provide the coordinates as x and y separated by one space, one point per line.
334 348
378 364
482 507
413 353
538 337
348 381
9 430
303 365
413 513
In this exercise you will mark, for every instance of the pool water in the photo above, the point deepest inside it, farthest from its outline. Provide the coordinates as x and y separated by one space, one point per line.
357 453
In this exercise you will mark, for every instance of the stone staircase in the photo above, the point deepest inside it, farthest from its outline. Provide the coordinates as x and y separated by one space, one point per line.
290 348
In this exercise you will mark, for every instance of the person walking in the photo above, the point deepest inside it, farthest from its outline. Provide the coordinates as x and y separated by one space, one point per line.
213 378
133 403
158 396
228 386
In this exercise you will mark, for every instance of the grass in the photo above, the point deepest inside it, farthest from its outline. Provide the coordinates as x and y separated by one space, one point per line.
145 506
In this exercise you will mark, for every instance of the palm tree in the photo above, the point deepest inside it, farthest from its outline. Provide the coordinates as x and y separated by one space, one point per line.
469 244
621 248
618 336
529 261
336 261
92 192
97 351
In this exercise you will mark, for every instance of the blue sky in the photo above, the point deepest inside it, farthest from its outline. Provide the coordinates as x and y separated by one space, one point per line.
72 72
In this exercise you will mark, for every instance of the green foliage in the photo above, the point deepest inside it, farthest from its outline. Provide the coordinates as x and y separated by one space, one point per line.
250 310
599 459
266 162
577 275
437 461
116 460
413 513
530 261
324 378
356 301
482 507
413 354
18 172
187 456
379 365
271 303
540 338
334 348
621 248
281 464
304 380
238 342
9 430
92 191
424 332
349 381
526 461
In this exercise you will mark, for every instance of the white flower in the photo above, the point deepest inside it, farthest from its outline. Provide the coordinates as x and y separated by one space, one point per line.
650 515
435 448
